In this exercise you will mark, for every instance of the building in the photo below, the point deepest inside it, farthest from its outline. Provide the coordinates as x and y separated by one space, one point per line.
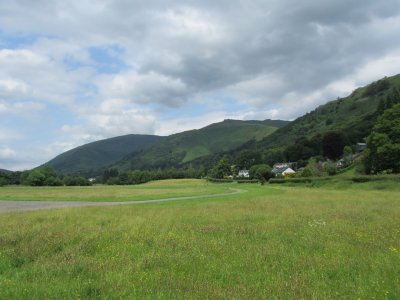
361 147
244 173
283 169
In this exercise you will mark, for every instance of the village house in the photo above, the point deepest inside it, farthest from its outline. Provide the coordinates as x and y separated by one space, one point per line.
284 169
361 147
244 173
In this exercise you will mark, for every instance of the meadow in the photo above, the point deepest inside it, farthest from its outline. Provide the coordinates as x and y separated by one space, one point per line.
152 190
272 242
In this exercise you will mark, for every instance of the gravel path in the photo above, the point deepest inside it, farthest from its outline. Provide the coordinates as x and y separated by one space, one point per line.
12 206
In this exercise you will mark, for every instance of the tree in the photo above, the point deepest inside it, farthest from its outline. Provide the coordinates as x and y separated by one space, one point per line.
332 145
76 181
261 172
4 179
247 158
222 169
307 172
383 145
347 154
274 156
313 168
36 178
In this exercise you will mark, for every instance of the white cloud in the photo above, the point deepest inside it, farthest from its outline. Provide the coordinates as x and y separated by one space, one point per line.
7 134
104 124
26 109
26 74
6 152
259 91
143 88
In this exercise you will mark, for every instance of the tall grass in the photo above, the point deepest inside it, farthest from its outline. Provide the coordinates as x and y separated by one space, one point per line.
269 243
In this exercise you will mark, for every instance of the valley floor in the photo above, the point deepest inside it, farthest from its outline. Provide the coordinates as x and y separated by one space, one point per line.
270 242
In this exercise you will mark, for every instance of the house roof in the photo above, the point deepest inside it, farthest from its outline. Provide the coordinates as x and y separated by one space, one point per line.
281 170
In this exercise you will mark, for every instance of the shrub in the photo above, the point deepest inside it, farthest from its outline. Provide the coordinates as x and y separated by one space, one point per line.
219 180
277 180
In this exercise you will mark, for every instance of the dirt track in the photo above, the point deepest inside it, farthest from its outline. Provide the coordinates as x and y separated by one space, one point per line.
13 206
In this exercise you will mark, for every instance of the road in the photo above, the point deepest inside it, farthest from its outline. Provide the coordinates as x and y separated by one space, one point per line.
15 206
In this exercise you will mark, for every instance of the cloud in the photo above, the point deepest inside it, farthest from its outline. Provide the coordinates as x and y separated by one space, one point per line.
23 109
104 68
7 134
143 88
113 117
6 152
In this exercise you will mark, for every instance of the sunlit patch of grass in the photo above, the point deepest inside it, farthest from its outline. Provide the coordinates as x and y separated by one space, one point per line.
284 242
152 190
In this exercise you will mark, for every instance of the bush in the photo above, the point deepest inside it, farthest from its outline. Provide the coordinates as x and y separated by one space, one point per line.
277 180
247 181
76 181
330 168
53 181
219 180
306 173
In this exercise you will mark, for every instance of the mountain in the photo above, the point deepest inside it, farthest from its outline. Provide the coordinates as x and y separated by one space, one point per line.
6 171
89 158
351 117
181 148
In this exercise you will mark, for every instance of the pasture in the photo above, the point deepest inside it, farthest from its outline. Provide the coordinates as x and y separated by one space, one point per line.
152 190
269 242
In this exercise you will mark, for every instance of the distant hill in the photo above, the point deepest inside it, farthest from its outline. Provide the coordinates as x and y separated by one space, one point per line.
184 147
6 171
89 158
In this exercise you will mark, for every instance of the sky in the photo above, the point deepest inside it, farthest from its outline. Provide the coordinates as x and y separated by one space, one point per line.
72 72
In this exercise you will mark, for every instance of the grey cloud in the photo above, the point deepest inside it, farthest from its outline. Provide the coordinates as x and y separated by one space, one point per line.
211 45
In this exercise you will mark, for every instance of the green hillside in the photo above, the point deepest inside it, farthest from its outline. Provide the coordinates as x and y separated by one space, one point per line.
89 158
353 116
186 146
5 171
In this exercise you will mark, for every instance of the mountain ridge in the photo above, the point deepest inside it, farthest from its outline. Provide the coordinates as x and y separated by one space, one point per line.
87 159
184 147
6 171
167 151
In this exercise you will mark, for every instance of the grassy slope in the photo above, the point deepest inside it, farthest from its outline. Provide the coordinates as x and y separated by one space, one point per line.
100 154
189 145
298 243
353 115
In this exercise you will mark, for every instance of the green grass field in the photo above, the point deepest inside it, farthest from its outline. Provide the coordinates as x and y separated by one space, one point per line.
153 190
273 242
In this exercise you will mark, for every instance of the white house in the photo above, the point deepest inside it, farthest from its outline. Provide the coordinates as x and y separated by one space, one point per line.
244 173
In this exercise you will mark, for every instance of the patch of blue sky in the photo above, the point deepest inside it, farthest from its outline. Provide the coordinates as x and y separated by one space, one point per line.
72 64
15 40
60 114
108 59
